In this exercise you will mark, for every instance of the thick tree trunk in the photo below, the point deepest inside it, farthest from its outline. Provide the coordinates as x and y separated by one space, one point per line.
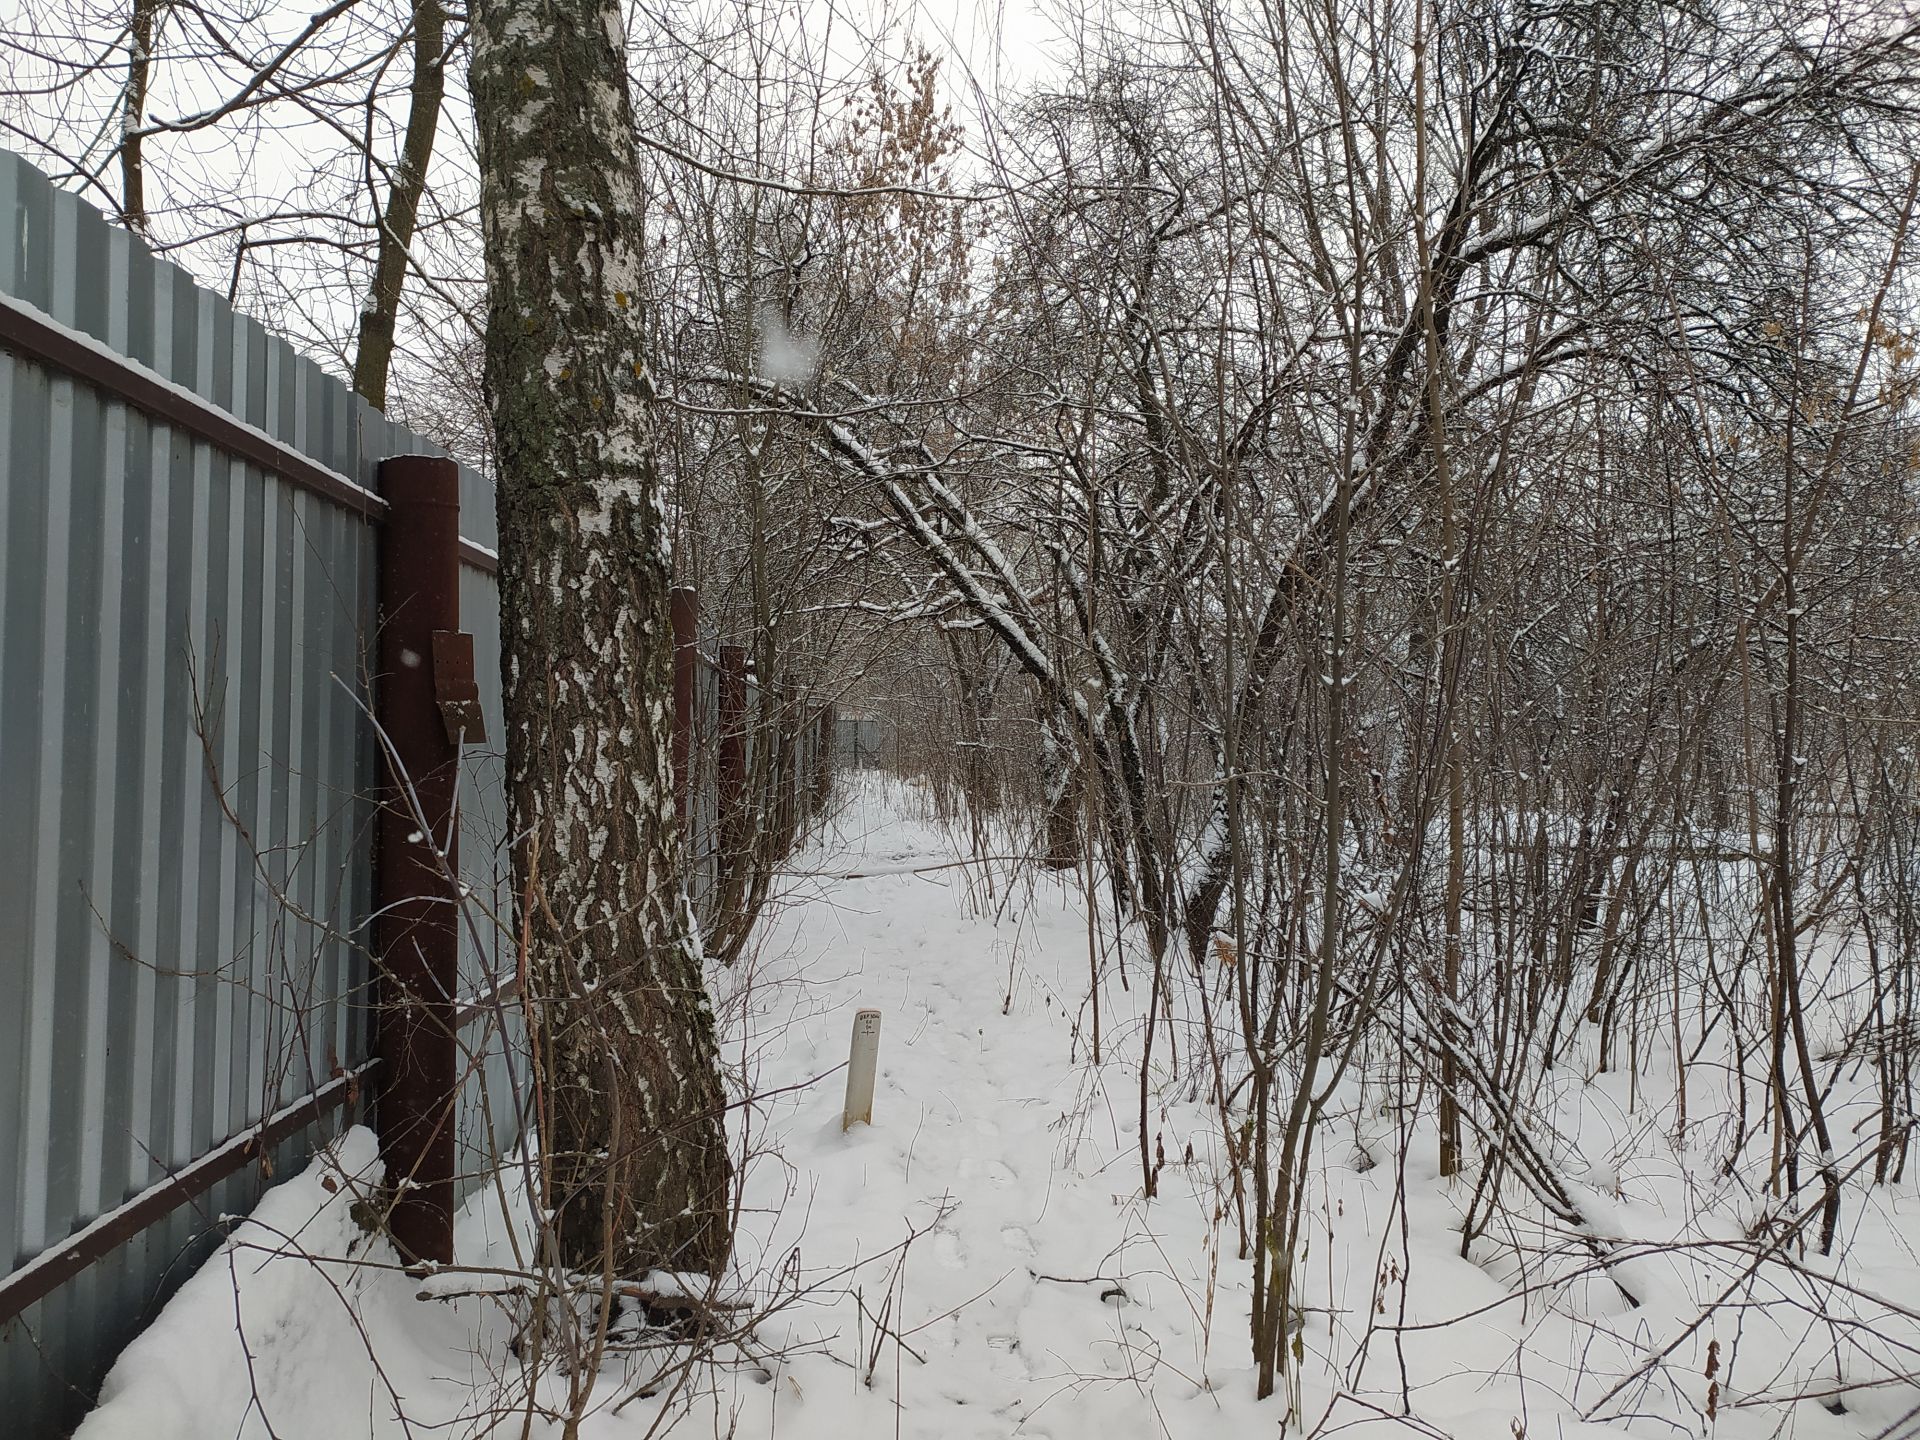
631 1097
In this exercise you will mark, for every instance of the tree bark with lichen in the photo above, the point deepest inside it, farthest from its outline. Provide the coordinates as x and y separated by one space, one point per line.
633 1142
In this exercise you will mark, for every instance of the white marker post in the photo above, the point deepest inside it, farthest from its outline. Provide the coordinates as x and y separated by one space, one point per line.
862 1061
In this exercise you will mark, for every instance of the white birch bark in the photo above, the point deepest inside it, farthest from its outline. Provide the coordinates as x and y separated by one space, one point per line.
631 1103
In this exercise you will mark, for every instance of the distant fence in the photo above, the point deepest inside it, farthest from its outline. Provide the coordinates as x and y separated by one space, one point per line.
863 742
189 518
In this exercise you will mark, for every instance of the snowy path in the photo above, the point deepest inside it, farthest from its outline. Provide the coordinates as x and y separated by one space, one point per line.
985 1146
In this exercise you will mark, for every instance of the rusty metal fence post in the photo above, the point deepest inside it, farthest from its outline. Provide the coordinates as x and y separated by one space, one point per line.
416 943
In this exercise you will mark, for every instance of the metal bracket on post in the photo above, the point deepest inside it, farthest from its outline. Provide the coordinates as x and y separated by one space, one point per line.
456 688
416 902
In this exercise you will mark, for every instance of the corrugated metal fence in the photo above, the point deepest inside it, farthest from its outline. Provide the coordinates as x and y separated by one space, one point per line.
184 763
186 625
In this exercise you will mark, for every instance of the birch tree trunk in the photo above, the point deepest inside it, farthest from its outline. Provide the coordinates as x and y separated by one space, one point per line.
634 1148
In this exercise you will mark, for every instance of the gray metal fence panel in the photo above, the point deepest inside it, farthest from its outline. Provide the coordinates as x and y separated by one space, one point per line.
492 1083
860 741
184 773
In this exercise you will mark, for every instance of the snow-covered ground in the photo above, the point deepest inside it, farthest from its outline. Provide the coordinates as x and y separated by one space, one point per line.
979 1261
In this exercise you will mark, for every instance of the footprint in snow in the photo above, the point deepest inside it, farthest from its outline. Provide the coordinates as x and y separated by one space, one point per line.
999 1174
947 1250
1007 1359
1016 1239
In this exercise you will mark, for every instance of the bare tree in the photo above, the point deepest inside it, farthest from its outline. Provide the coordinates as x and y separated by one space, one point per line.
634 1153
274 154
